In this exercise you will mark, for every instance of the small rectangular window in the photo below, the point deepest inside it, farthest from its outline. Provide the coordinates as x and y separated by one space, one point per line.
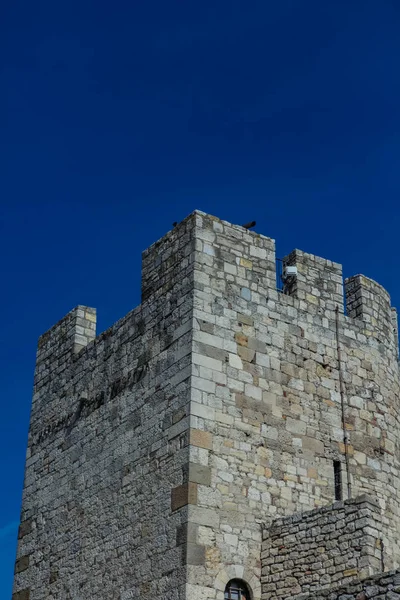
337 473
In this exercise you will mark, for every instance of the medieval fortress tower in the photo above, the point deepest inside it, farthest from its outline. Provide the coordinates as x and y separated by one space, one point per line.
223 440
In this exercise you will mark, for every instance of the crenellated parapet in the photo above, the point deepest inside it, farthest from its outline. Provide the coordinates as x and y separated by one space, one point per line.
369 301
318 281
318 286
168 265
67 338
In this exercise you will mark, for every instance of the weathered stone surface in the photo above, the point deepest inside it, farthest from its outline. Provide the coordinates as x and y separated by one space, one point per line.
199 474
202 439
22 595
219 381
326 543
195 554
25 528
108 441
183 495
187 532
21 564
379 587
334 543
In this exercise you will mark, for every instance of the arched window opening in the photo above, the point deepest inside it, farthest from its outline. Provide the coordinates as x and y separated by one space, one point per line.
236 589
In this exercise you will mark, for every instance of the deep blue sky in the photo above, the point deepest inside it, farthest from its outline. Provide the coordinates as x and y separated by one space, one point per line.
117 119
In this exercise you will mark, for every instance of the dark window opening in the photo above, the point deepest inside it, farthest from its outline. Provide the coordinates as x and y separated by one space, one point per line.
337 473
236 589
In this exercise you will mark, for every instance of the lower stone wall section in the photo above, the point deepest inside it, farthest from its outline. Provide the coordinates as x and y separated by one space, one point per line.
385 586
322 548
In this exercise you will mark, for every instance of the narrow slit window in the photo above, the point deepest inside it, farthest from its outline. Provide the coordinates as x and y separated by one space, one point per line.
337 474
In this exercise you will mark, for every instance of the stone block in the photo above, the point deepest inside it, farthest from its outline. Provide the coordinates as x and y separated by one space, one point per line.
313 445
22 595
246 354
21 564
204 516
183 495
235 361
245 320
25 528
241 339
199 474
195 554
296 426
201 439
201 410
350 573
187 532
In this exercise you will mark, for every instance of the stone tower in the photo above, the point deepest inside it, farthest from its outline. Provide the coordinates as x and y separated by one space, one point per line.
204 437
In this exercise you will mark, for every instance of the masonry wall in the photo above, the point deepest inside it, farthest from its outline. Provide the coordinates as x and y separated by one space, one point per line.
384 586
158 449
321 549
108 441
266 394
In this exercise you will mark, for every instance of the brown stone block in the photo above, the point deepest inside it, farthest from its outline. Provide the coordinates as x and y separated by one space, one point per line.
350 448
350 572
241 339
21 564
201 439
246 263
183 495
22 595
329 402
192 493
213 557
312 473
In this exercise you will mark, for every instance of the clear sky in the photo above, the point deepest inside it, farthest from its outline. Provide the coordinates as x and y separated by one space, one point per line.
118 118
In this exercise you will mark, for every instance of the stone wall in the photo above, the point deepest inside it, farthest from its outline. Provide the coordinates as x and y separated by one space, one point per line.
320 549
385 586
319 281
158 449
265 391
108 442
